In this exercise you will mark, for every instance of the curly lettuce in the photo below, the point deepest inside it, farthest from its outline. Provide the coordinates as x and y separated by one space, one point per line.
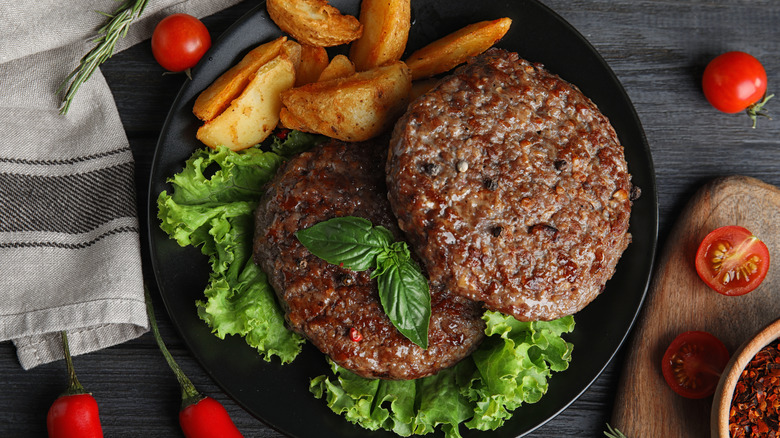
510 368
211 207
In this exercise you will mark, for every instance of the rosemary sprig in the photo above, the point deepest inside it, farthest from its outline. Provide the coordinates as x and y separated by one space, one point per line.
108 35
613 433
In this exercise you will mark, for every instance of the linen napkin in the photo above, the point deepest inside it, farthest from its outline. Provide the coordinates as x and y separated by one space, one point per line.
69 236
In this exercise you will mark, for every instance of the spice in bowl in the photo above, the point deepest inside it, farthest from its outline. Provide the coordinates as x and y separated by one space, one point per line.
756 401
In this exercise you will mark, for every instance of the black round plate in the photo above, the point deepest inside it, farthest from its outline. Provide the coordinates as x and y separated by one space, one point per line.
278 394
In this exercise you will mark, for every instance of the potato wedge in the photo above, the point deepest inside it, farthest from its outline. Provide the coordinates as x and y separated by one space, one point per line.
292 51
339 67
314 60
386 26
214 99
314 22
354 108
252 116
456 48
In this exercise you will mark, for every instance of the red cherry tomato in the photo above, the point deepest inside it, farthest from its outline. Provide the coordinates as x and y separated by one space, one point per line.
736 81
732 261
733 81
693 363
179 41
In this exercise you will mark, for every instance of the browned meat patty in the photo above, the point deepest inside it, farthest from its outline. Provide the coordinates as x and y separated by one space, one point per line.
512 188
324 302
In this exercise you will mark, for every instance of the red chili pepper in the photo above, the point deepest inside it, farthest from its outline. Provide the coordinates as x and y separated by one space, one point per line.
282 134
755 406
75 413
200 416
355 335
207 418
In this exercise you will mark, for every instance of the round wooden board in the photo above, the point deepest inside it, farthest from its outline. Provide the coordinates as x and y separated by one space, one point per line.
679 301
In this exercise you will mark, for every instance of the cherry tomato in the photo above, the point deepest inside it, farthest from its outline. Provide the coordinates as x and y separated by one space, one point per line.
693 363
736 81
179 41
732 261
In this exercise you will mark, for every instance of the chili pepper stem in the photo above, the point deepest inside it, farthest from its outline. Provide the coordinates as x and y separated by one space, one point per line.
74 386
189 395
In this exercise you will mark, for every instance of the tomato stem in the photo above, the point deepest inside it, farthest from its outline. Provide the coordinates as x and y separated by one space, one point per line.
755 110
189 395
74 386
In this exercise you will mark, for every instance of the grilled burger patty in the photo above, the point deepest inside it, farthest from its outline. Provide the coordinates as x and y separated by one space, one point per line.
512 188
324 302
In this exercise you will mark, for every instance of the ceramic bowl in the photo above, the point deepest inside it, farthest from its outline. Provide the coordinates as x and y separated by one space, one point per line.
721 405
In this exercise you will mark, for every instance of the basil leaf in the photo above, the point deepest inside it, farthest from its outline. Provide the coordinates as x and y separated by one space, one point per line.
393 255
351 242
356 244
403 292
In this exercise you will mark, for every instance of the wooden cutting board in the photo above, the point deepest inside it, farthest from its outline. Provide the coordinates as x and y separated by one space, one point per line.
679 301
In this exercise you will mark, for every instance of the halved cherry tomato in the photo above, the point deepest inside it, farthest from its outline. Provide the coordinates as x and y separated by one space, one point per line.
732 261
179 41
693 363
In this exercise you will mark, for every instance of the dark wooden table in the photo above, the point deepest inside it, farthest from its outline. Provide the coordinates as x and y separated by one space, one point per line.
657 48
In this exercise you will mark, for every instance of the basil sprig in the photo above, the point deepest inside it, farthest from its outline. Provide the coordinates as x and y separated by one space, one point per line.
354 243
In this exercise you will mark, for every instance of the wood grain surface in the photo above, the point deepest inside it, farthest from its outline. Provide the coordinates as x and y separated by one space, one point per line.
679 301
657 49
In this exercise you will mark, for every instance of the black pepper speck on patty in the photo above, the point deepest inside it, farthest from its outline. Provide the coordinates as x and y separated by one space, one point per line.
327 303
512 188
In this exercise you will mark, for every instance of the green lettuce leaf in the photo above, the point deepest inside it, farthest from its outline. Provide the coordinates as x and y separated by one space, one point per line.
248 308
294 142
222 176
510 368
514 364
211 207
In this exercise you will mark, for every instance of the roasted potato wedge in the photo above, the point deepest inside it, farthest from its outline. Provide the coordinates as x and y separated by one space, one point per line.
314 22
386 26
354 108
444 54
339 67
252 116
314 60
214 99
292 51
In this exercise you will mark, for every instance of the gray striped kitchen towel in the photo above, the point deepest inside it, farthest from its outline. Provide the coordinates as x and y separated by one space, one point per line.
69 238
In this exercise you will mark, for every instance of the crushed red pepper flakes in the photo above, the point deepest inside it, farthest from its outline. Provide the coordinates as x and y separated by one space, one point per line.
755 406
355 335
282 134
